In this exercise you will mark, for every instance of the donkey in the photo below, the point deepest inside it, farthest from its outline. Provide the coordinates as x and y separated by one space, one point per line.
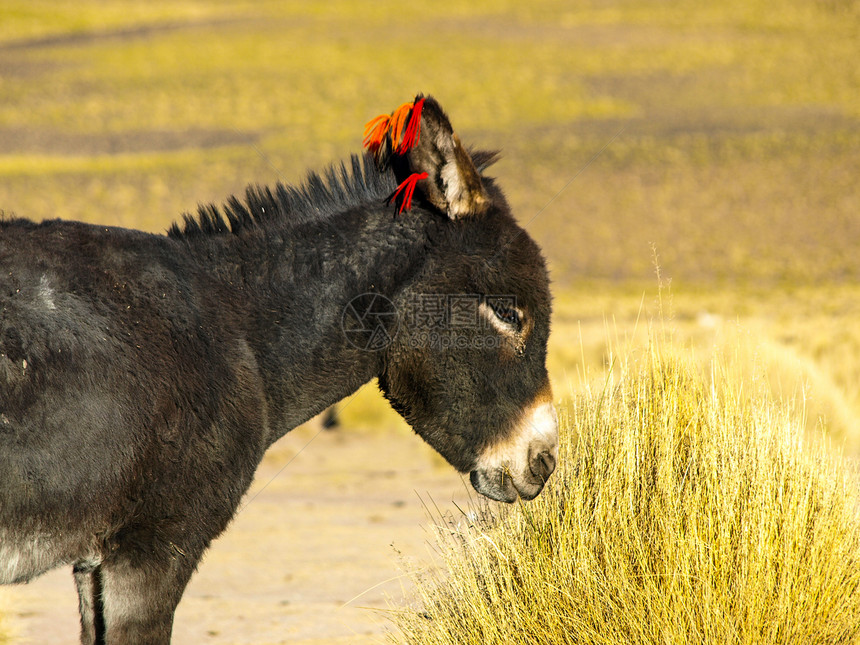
142 376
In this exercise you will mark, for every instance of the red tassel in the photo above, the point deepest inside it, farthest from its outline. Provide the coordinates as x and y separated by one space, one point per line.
408 190
375 131
413 129
403 126
398 121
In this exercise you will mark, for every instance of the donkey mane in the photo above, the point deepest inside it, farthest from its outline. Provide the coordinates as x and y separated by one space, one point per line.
337 189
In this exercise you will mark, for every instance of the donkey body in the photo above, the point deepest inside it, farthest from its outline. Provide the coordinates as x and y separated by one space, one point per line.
142 377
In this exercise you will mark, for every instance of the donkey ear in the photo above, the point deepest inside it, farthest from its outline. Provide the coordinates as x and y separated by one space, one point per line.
429 157
453 184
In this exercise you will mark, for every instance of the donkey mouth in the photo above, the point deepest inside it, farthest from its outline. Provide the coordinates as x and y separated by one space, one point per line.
499 485
520 465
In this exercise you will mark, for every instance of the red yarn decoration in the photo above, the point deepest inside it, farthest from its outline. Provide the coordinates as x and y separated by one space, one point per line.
408 190
403 126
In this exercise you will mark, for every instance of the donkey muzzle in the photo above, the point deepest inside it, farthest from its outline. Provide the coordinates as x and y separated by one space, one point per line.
521 464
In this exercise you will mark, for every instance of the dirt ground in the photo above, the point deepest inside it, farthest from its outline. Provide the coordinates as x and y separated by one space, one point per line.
318 549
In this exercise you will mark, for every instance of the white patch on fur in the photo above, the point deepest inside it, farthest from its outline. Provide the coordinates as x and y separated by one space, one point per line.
125 594
453 190
25 557
46 294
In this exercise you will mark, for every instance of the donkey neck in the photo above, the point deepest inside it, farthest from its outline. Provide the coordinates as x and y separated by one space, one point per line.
291 287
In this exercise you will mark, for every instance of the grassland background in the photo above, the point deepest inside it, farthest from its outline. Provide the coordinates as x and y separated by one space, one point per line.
719 141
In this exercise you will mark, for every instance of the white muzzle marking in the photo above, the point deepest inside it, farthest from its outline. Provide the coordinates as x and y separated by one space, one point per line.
520 465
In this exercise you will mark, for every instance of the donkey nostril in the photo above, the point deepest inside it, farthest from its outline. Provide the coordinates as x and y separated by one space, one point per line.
548 460
542 464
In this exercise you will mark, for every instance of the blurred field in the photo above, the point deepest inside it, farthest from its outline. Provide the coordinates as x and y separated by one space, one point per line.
735 155
717 141
738 156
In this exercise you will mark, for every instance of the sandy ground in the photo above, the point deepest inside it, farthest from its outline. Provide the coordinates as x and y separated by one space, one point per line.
317 551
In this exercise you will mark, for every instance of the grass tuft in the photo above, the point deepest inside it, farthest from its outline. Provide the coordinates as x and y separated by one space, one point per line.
686 509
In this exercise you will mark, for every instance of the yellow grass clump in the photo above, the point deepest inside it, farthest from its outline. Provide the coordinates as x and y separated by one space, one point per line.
685 510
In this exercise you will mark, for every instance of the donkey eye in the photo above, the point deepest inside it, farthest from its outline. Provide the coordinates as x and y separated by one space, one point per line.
507 315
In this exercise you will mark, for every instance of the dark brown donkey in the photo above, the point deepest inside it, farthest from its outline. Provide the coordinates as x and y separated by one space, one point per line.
142 377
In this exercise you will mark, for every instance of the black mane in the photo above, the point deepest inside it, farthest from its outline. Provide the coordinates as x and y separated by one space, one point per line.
338 188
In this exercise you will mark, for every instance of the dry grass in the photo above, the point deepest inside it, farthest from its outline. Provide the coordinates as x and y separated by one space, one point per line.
686 510
800 343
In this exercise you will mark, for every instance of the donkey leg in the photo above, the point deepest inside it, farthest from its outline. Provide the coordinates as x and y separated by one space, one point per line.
88 581
139 597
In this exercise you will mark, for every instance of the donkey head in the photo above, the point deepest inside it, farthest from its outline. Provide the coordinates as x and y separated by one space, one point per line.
467 368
